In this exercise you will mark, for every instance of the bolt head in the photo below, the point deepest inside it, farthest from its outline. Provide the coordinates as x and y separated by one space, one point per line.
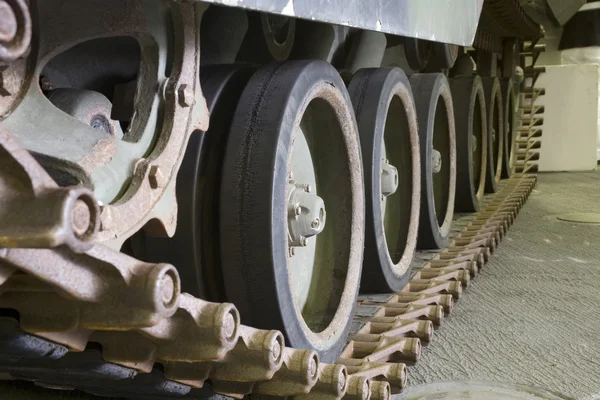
81 218
315 223
156 177
45 83
297 210
307 188
303 241
292 251
184 95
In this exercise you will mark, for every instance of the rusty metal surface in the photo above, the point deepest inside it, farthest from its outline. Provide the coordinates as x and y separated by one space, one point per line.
35 211
133 177
15 30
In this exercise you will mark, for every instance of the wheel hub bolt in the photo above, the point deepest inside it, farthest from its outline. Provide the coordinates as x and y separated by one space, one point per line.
306 215
436 161
81 218
389 179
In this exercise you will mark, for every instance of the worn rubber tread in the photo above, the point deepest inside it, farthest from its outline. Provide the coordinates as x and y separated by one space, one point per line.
428 89
495 110
467 94
253 207
372 91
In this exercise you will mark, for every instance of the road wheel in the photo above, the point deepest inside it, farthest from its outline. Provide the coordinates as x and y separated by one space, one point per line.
471 142
417 52
437 139
510 126
387 122
292 206
495 123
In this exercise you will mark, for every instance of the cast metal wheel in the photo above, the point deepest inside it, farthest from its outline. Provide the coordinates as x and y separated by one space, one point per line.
508 137
437 139
495 123
292 206
195 249
471 142
88 76
387 122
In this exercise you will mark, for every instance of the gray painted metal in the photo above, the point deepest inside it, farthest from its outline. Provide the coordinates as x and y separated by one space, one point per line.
449 21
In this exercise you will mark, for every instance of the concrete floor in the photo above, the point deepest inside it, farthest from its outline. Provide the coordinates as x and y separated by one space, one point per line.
533 315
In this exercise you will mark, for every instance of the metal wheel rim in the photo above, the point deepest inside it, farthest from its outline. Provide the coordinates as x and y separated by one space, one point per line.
479 145
400 147
510 127
442 180
322 318
495 133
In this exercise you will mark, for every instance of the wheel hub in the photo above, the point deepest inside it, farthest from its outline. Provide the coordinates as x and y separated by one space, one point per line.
436 161
389 179
306 214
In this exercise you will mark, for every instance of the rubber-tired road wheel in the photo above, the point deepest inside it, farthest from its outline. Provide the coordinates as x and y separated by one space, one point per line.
510 125
462 66
417 52
443 56
495 123
437 139
292 206
471 142
387 122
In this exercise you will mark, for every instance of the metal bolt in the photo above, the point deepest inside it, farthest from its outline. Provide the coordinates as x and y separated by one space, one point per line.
156 177
307 188
315 223
342 379
312 366
303 241
167 289
8 22
229 325
297 210
81 218
276 349
184 95
45 83
292 251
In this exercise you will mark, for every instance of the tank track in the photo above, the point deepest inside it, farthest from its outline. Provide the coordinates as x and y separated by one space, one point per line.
201 348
